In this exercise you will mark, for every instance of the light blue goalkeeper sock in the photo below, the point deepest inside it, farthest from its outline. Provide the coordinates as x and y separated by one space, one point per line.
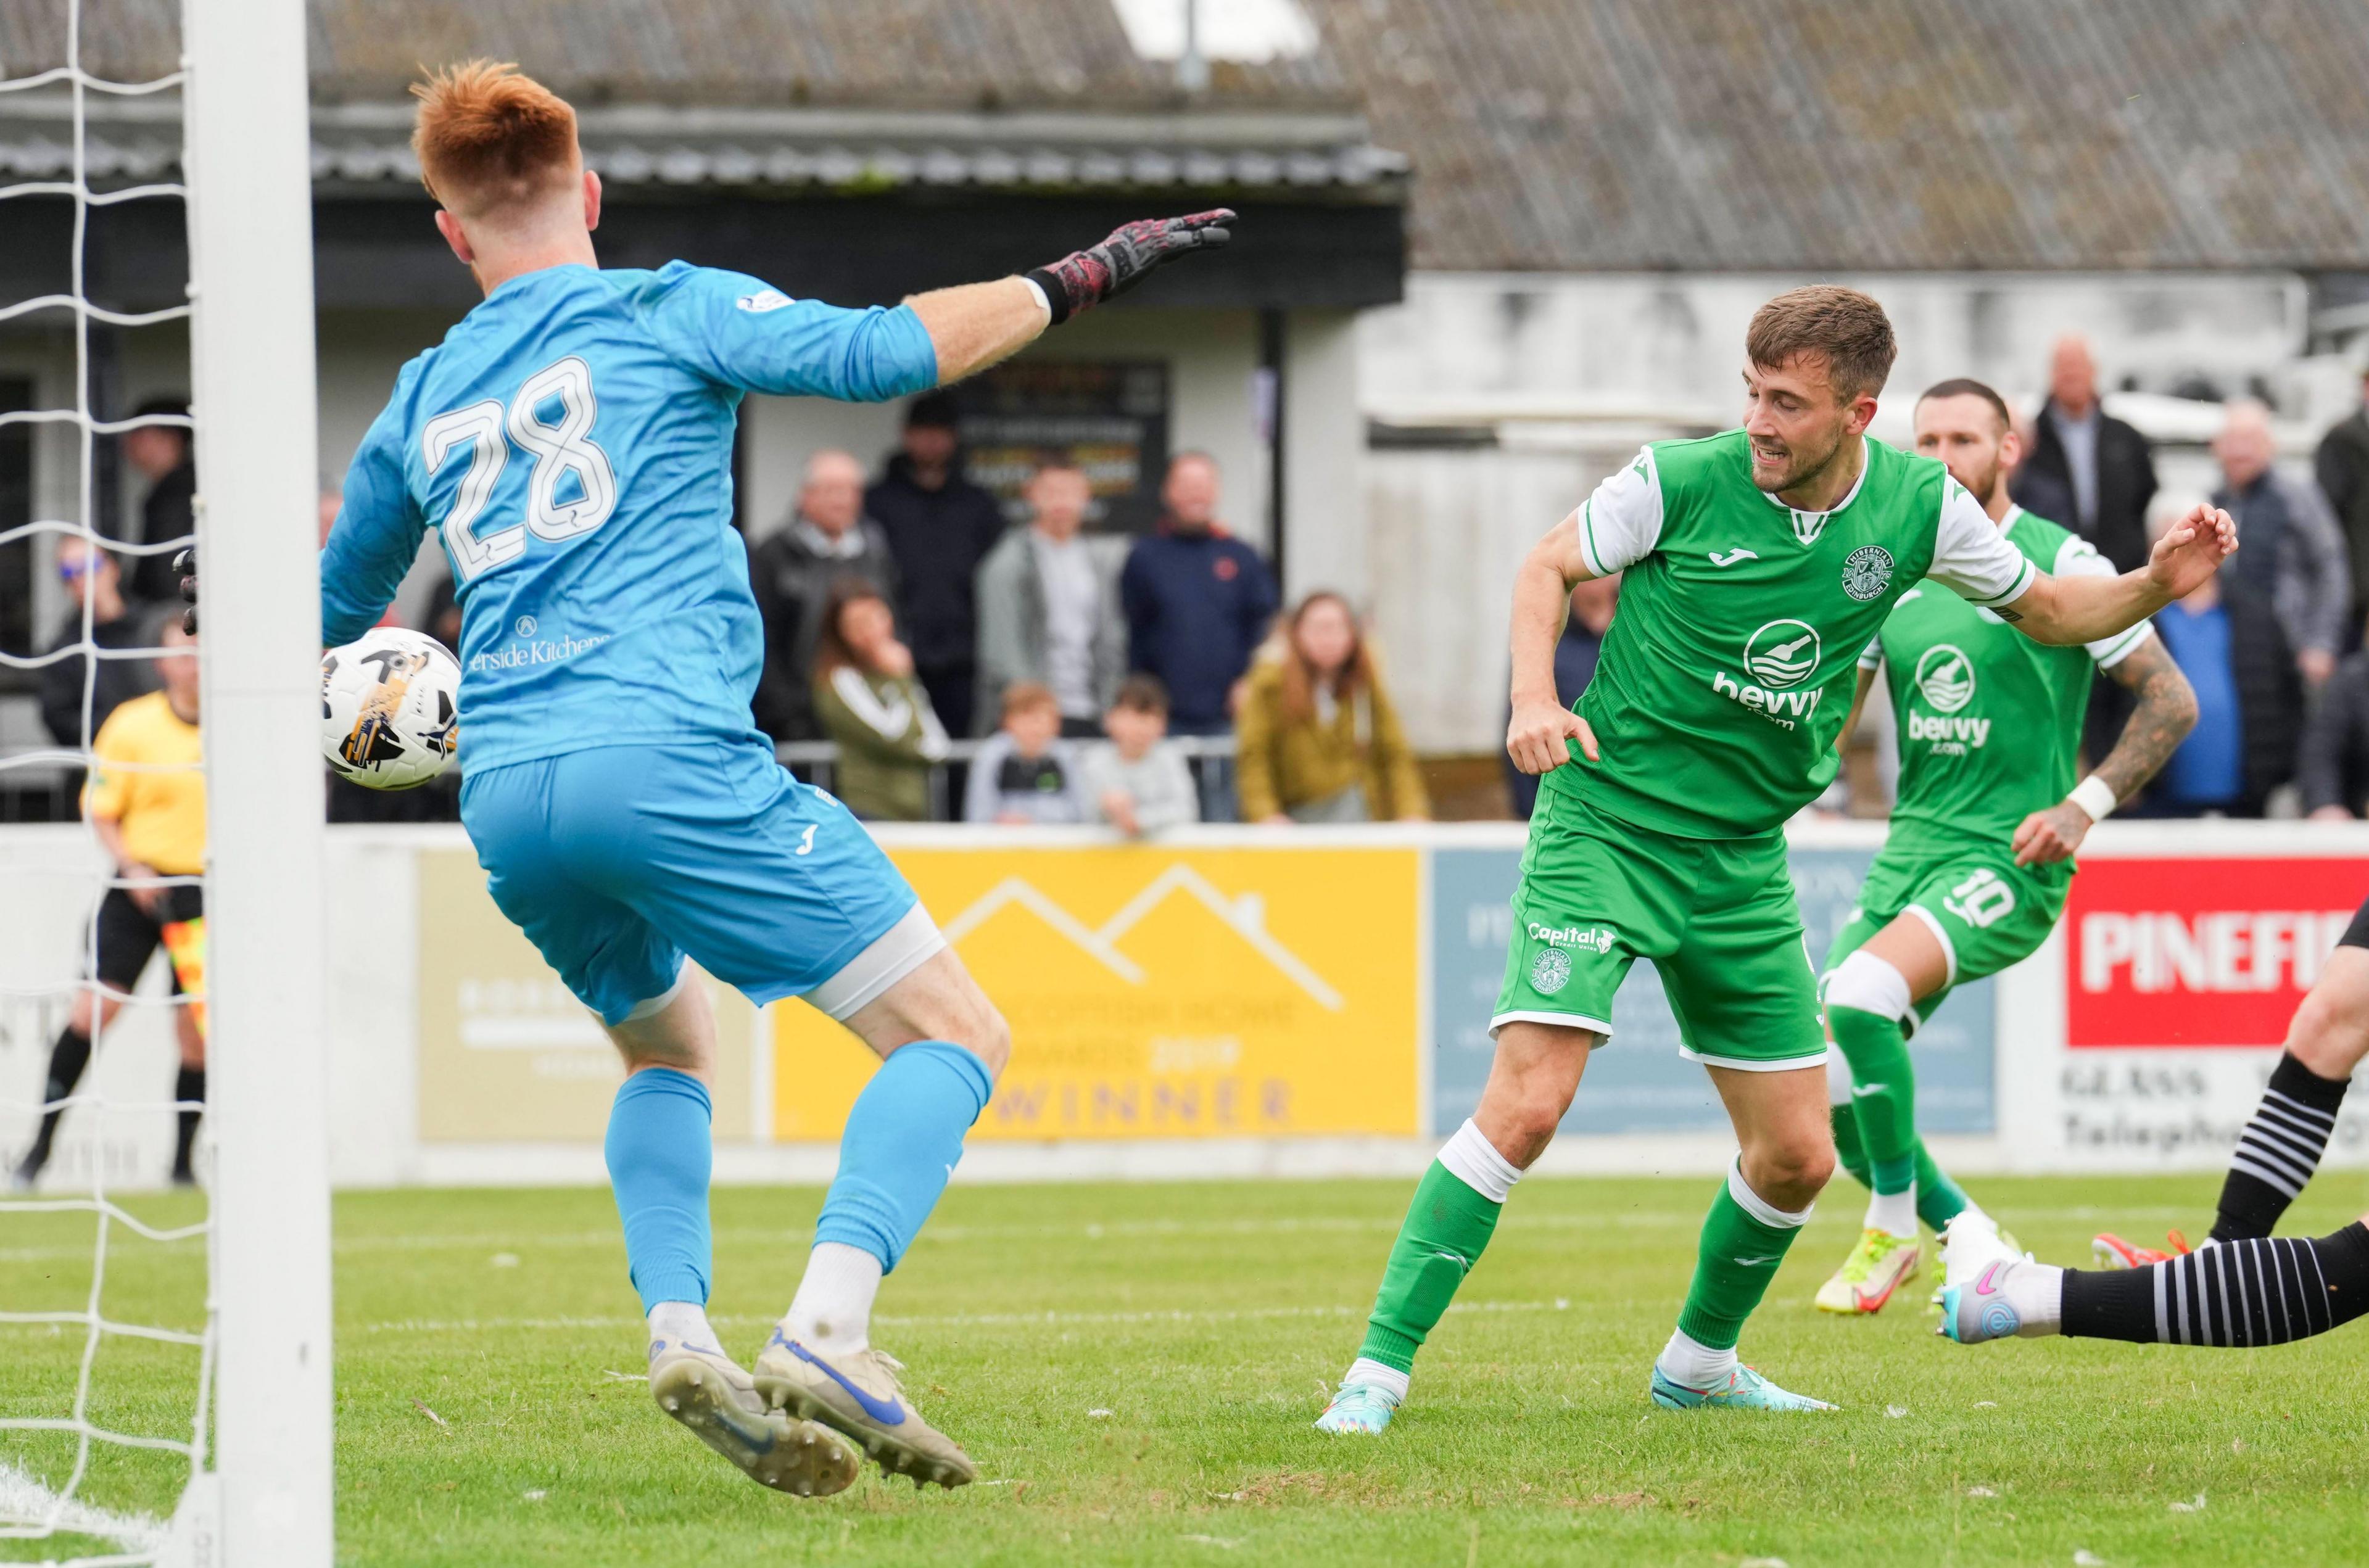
661 1154
903 1139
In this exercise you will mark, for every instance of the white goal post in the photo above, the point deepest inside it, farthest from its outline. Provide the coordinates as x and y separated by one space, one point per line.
249 164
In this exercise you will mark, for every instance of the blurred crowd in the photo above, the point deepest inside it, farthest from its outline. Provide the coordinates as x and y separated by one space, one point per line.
1137 681
952 661
960 663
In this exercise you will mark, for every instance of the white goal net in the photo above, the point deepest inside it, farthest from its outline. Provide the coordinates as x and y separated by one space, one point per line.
164 1353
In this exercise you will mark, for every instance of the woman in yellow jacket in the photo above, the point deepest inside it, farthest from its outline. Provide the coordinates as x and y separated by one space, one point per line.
1316 737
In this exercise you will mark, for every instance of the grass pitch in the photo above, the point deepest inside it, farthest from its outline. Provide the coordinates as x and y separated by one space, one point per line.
1136 1368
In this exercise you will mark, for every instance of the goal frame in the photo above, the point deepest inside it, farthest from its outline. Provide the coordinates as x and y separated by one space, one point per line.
248 164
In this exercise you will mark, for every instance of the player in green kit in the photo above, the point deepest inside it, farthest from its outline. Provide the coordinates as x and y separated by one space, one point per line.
1974 871
1760 564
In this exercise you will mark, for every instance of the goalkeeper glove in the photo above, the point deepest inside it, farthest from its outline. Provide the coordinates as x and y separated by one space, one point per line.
1084 278
185 567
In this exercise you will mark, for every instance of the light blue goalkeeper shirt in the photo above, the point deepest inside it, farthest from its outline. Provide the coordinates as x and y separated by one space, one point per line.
571 440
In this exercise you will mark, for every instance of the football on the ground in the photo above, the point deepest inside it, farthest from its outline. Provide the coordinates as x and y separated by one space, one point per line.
390 708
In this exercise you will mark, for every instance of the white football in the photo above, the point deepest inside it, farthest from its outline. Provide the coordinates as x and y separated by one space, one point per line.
390 708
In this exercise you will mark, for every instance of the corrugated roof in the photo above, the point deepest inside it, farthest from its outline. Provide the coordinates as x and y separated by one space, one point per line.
904 53
1265 152
1545 134
1812 135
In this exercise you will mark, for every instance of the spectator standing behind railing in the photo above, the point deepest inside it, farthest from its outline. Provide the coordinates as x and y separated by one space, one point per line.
793 572
161 455
2341 466
939 526
1024 774
1592 604
1199 601
1317 739
2087 469
1048 605
2334 773
1136 781
92 578
2294 553
870 702
2226 639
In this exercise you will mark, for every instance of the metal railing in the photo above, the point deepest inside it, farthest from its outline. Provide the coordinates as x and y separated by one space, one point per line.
42 788
816 760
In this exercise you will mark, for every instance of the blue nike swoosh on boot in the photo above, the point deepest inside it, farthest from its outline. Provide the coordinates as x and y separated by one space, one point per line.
888 1413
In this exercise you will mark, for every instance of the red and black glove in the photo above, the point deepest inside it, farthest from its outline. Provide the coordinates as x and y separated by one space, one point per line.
1084 278
185 567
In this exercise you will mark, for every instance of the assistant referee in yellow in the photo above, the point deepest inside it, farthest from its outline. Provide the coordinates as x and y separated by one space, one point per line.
146 800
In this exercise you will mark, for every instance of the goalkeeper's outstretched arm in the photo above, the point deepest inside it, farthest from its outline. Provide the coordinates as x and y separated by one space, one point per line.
974 326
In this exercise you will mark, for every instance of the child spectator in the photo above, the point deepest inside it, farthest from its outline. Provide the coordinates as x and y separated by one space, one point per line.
868 700
1136 781
1023 774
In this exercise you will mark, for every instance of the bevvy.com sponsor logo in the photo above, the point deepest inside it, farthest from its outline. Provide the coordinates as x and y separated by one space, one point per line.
1945 678
1777 659
530 647
2200 952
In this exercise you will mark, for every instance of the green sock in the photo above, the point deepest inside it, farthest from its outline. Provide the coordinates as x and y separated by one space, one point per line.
1850 1153
1884 1093
1737 1258
1446 1226
1939 1199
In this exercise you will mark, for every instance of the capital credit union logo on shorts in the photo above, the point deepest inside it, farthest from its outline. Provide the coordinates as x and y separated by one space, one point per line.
1777 659
1945 678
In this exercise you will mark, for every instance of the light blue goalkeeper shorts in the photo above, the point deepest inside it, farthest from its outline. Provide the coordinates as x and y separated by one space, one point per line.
617 863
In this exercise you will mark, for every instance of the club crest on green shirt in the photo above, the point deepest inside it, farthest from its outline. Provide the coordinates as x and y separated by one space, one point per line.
1549 972
1867 572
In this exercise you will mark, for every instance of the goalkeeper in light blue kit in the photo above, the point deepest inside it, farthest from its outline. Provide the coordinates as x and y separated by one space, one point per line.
572 440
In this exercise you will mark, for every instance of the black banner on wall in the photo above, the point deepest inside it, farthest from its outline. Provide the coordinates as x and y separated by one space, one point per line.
1110 419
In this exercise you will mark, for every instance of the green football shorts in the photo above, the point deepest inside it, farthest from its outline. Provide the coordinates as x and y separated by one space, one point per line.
1987 912
1716 916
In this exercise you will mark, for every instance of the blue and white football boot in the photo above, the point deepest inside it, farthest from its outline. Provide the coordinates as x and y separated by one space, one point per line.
701 1387
1984 1281
861 1395
1745 1390
1359 1408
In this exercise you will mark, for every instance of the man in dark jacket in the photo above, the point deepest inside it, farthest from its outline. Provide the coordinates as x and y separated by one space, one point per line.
162 455
91 577
2226 639
2090 472
1199 601
791 573
2341 465
939 526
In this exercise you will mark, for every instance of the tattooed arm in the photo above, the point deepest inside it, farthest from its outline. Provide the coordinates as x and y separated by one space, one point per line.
2166 712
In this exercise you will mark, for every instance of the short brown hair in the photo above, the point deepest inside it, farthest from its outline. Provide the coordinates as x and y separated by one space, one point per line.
1844 327
1967 387
1142 695
1023 696
488 138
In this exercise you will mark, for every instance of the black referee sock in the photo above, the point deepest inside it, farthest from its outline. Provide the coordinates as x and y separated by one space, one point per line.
68 1057
2279 1149
189 1088
2262 1290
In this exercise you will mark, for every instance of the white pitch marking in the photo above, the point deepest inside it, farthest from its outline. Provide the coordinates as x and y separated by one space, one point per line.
24 1500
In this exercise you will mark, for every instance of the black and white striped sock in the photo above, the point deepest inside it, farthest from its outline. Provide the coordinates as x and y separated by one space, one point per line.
2279 1149
2266 1291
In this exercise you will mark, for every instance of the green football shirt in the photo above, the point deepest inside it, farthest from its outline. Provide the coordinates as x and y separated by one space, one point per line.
1728 671
1990 721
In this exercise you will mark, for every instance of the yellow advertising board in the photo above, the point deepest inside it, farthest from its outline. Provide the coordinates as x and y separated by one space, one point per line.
1157 994
506 1054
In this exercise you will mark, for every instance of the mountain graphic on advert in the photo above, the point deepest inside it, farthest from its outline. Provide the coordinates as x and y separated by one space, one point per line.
1178 894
